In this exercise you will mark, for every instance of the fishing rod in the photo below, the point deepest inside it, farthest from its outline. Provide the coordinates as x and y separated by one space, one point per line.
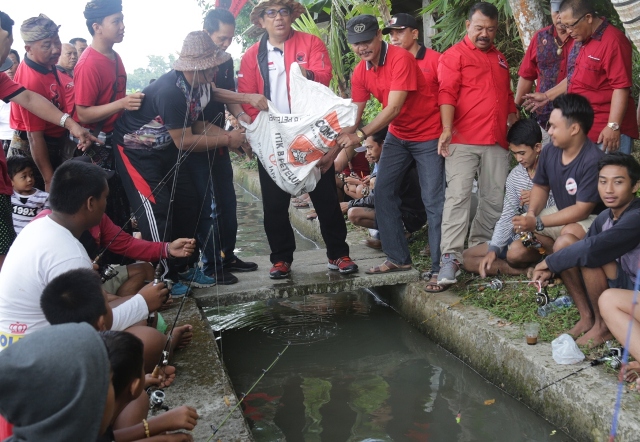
244 395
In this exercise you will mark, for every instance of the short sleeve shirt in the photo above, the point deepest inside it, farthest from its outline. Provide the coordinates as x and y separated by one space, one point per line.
397 70
69 91
576 181
224 80
94 79
45 82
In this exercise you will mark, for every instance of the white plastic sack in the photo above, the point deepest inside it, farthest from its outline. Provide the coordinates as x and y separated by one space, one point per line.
290 145
565 350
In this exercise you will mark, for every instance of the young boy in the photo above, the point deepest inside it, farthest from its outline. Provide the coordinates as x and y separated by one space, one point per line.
490 258
608 256
26 201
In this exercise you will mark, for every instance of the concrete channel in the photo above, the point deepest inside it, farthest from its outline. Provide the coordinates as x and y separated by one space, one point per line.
581 405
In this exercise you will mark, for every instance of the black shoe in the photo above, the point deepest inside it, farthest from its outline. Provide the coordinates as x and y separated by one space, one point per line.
225 278
240 266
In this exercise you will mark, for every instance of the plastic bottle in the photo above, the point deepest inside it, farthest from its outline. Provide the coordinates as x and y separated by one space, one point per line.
560 303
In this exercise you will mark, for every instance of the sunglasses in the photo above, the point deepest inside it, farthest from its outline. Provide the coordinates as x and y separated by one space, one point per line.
272 13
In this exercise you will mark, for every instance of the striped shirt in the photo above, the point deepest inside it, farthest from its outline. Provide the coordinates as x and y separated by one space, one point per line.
517 181
26 207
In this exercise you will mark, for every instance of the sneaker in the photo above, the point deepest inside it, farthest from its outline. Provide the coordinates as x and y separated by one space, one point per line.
345 265
240 266
449 270
280 270
225 278
179 290
196 278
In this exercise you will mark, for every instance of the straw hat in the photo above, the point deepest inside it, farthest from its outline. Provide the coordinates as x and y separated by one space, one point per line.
296 9
199 53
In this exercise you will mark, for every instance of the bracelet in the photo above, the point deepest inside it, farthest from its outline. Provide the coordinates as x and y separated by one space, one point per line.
63 119
241 114
166 250
446 127
146 428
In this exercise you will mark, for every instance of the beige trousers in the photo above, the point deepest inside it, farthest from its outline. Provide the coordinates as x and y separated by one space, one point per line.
491 165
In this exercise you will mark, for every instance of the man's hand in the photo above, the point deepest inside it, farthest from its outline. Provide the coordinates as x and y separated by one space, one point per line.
524 197
85 139
166 378
344 207
444 141
535 101
236 139
610 139
486 263
181 418
132 102
324 163
154 295
542 273
258 101
245 118
182 247
347 140
524 223
352 180
511 119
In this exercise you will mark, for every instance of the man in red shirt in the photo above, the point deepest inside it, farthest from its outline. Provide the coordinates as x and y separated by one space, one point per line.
545 63
477 107
37 72
599 69
410 108
265 70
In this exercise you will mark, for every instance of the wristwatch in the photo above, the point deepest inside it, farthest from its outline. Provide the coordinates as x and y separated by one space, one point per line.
361 135
539 224
613 126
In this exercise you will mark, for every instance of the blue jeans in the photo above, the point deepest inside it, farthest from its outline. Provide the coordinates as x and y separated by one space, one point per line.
394 162
626 144
214 175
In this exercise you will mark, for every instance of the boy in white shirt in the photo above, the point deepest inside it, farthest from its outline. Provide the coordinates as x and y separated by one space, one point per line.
26 201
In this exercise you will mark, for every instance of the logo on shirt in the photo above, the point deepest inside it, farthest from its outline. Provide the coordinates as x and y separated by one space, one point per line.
18 328
571 186
300 57
502 62
272 66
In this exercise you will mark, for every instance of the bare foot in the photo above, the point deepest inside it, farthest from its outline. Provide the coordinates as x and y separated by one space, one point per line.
632 371
596 336
182 336
582 326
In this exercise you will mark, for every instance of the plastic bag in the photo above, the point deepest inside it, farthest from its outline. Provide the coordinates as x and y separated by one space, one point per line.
290 145
565 350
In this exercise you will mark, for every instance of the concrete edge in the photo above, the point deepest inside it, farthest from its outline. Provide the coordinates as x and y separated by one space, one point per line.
581 405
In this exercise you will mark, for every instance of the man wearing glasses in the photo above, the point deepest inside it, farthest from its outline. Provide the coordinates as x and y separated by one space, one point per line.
600 70
265 70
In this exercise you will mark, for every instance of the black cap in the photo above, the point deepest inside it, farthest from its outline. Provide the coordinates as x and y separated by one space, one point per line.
401 21
362 28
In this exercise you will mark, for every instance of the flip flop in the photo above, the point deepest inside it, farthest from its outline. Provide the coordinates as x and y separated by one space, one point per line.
388 267
433 282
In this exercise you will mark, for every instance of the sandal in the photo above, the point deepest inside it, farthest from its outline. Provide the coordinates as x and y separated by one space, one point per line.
388 267
432 285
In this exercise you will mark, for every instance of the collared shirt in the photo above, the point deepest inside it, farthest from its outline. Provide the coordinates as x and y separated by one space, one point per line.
602 65
477 84
397 70
278 79
69 91
45 82
542 64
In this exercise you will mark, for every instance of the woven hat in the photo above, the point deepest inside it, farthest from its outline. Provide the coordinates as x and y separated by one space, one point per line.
199 53
296 9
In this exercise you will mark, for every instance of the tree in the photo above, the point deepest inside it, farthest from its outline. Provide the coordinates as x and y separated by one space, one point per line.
156 67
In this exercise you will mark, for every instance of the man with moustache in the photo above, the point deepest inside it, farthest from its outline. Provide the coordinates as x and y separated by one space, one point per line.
410 109
477 108
37 73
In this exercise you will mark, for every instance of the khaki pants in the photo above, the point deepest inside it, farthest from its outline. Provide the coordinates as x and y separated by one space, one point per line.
554 232
491 164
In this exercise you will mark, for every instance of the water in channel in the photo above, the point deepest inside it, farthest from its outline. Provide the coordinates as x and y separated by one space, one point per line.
355 370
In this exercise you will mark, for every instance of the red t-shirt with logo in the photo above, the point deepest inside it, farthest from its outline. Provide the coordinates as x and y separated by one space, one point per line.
42 81
94 78
69 96
477 84
397 70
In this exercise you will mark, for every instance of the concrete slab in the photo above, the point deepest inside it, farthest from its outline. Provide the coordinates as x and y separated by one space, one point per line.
581 405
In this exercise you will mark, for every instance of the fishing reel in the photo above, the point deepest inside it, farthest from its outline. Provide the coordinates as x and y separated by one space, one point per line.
530 241
156 400
167 282
108 272
613 358
542 297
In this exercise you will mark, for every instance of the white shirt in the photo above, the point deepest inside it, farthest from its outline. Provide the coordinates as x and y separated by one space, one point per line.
6 133
278 79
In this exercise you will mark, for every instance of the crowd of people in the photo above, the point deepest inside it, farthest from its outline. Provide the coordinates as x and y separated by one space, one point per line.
86 162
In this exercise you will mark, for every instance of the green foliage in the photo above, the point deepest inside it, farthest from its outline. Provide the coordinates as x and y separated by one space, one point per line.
157 66
244 162
242 23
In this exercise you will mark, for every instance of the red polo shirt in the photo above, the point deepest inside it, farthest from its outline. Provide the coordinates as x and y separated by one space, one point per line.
603 65
537 63
69 96
419 118
427 60
8 90
477 83
42 81
95 77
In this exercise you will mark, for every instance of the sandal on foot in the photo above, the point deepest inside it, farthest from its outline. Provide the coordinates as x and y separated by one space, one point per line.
432 285
388 267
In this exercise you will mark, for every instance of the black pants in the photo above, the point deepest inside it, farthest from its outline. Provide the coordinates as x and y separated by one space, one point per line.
275 203
147 177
